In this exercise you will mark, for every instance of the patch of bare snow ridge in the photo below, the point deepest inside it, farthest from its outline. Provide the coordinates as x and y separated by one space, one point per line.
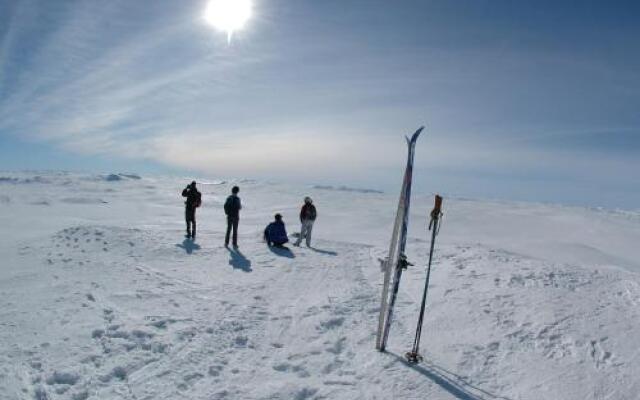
107 300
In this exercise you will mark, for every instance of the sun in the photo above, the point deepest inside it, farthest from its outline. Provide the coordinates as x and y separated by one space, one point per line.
228 15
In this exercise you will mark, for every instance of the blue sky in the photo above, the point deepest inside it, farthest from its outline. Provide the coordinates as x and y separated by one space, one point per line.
531 100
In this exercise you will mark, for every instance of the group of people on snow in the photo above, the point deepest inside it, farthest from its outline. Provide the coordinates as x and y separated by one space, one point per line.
275 234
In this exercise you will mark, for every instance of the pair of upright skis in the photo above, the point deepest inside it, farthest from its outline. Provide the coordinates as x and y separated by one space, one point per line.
396 260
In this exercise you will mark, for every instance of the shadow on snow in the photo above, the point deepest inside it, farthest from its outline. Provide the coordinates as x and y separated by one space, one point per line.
239 261
282 251
449 381
326 252
188 245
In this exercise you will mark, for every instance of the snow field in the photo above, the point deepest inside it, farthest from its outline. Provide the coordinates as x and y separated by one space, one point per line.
103 298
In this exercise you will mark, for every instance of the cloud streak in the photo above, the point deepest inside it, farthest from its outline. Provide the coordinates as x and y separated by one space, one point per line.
308 93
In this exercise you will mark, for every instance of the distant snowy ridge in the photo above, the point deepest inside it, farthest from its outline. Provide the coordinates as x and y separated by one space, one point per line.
27 177
213 183
120 177
346 189
14 180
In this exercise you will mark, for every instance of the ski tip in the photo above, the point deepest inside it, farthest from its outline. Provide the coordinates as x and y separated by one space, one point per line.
415 135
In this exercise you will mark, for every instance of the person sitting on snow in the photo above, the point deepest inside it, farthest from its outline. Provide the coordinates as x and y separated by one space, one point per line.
275 234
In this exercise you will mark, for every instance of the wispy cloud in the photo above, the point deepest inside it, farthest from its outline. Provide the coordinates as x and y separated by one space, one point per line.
309 91
68 90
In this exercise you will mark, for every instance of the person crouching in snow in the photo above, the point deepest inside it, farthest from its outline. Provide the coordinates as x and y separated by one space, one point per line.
308 216
275 234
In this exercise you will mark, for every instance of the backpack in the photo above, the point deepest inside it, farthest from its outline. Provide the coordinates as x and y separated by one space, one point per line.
194 198
231 206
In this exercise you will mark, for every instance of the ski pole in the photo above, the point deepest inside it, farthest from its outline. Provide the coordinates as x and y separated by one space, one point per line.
414 356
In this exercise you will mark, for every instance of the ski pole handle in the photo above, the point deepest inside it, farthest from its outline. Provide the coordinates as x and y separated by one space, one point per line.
435 213
437 210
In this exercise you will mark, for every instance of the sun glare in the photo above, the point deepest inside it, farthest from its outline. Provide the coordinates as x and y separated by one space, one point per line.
228 15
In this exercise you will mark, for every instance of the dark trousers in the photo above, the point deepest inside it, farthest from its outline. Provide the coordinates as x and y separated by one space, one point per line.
277 243
232 223
190 218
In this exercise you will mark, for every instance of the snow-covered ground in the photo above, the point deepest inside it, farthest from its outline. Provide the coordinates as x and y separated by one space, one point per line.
101 297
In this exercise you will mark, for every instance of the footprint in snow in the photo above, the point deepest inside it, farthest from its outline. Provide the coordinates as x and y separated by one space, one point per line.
215 370
330 324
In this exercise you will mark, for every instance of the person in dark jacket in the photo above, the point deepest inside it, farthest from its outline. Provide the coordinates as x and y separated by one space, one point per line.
193 201
308 216
275 234
232 208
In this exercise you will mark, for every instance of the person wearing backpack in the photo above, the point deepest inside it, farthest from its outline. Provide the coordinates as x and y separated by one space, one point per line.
193 201
232 209
275 234
308 216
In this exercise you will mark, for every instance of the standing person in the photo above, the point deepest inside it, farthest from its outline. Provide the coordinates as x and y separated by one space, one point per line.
232 208
308 216
193 201
275 234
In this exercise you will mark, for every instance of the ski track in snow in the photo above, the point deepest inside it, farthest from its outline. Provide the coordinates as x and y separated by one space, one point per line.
100 311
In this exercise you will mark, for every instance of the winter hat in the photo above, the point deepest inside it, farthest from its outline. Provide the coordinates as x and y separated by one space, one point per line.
308 200
278 217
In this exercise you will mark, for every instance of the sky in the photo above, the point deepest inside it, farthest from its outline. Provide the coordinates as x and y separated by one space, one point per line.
527 100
